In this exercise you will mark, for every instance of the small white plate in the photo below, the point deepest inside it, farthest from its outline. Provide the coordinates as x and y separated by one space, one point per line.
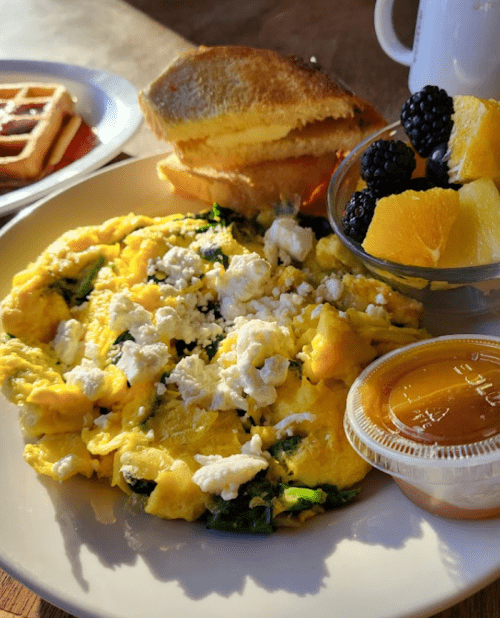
107 102
379 556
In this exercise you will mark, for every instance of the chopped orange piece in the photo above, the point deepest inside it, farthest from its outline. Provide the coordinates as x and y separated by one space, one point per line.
475 139
475 236
412 227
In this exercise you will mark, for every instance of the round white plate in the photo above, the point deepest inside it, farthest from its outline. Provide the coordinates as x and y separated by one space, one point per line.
107 102
380 556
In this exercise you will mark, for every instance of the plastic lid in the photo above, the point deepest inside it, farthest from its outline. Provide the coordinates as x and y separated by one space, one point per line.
409 452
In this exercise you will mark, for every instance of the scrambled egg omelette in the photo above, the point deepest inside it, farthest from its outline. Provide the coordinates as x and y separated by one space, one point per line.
200 363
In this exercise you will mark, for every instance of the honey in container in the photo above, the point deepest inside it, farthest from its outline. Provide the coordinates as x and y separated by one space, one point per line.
429 415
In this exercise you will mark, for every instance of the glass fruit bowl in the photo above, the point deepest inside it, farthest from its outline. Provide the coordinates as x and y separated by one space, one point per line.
445 292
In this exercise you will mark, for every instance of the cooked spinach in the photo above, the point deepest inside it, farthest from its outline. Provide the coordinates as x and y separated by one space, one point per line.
215 254
76 290
211 349
238 516
140 486
286 447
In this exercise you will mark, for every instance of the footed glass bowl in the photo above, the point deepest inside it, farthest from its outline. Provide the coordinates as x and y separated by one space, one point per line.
456 292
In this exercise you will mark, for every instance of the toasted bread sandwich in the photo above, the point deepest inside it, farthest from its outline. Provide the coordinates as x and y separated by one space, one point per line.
228 107
229 110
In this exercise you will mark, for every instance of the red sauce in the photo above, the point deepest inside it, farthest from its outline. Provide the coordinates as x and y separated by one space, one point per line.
83 142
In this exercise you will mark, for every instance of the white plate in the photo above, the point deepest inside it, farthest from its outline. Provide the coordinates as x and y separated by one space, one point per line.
380 556
107 103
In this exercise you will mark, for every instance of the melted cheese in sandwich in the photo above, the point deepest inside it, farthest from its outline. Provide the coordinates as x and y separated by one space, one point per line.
253 135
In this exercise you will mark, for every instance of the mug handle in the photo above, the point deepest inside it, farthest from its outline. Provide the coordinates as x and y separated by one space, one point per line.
386 35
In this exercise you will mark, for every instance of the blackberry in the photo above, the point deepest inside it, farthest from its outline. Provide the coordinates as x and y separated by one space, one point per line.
437 168
427 119
420 184
387 164
318 224
437 165
358 214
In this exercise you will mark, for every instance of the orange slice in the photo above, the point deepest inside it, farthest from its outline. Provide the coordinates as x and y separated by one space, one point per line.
475 236
475 139
412 227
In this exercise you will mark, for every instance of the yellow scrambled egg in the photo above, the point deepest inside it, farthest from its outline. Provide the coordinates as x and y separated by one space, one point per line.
199 362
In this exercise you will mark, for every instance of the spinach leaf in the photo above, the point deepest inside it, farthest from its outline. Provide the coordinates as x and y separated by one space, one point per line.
286 447
211 349
238 516
76 290
215 254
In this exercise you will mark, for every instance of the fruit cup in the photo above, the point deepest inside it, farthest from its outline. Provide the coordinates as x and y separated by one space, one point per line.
452 297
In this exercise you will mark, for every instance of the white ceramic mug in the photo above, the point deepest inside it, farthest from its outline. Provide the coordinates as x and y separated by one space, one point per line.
456 45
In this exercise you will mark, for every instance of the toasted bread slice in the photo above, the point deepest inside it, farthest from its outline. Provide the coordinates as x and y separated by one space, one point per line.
241 93
253 188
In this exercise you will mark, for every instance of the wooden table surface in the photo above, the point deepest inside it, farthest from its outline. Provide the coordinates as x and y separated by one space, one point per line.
137 38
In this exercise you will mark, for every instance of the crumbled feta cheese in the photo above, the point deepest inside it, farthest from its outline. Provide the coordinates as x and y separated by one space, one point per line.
286 234
257 341
102 421
161 389
275 370
194 379
67 341
253 446
231 308
376 311
187 323
284 427
334 289
125 315
129 472
64 466
181 265
245 278
88 377
228 391
92 351
304 289
316 312
142 362
224 475
380 299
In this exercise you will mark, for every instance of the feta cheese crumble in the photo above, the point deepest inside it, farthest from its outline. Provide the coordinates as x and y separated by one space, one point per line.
224 475
142 362
88 377
287 235
285 427
67 341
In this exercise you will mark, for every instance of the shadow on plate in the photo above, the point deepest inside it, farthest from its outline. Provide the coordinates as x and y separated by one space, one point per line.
103 521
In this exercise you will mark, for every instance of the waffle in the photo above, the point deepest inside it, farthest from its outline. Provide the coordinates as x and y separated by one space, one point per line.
31 118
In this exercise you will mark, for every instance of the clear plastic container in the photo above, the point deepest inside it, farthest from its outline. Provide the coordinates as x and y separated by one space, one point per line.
429 415
464 292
